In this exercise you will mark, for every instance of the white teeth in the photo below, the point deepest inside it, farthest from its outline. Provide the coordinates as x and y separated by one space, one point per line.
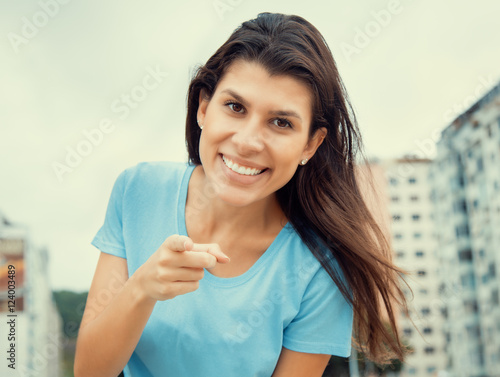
240 169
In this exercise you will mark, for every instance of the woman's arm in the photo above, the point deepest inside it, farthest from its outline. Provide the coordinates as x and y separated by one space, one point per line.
114 318
118 309
299 364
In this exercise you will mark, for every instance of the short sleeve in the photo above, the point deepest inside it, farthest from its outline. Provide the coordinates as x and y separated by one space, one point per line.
324 321
109 238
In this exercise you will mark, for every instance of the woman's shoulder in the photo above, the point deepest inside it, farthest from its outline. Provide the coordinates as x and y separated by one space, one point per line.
298 253
310 257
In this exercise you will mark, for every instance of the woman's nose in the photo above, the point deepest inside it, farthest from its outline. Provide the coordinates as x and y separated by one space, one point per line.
249 138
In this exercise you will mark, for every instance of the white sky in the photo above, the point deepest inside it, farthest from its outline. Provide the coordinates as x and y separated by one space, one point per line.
423 65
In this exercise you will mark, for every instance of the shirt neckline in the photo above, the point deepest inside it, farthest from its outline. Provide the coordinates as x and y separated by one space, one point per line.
216 280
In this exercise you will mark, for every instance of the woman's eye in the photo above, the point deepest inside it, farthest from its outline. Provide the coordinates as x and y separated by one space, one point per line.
236 107
282 123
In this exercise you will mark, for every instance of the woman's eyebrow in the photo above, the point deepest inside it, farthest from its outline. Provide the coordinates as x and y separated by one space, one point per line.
240 99
235 95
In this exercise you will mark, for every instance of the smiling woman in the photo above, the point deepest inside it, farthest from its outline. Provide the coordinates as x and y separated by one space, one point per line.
257 257
246 149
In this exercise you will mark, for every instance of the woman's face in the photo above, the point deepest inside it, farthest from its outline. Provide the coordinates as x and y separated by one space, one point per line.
255 132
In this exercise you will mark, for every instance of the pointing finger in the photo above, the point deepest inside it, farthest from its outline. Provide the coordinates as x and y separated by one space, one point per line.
177 242
212 248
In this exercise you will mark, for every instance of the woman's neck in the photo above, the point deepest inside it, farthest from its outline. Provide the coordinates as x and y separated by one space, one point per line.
216 219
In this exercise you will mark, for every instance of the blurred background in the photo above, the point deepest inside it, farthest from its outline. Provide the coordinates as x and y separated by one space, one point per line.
90 88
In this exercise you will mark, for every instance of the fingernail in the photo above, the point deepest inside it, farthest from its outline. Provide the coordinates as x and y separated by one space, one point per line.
228 259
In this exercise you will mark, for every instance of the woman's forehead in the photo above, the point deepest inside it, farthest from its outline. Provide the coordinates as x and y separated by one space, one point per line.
252 77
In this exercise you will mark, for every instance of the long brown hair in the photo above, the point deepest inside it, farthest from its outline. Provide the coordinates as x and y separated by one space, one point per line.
322 201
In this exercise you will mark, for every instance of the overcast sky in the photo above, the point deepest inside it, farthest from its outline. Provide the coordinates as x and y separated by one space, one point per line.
409 66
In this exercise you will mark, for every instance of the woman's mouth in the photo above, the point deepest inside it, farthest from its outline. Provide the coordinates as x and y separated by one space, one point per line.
243 170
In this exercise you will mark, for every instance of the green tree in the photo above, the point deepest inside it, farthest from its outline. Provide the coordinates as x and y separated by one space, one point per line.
70 306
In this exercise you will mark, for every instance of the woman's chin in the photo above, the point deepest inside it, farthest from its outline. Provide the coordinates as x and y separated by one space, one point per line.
236 198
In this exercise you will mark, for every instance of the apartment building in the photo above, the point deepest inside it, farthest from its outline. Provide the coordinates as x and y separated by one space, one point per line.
466 193
29 321
414 245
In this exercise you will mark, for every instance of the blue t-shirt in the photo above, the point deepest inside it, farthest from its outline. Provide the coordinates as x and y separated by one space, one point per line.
229 326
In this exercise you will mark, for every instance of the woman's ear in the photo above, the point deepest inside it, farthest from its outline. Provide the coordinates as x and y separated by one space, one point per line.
203 101
314 143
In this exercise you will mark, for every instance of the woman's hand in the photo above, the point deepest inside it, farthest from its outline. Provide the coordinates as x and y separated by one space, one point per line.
110 330
177 267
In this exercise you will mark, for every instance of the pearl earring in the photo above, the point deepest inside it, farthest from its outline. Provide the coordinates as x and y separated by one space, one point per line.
200 125
304 161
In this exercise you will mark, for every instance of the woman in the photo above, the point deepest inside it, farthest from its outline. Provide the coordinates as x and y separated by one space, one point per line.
259 256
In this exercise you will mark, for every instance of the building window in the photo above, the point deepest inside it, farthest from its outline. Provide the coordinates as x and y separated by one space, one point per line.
473 331
422 273
471 306
398 236
400 254
423 291
427 330
393 181
462 230
465 255
396 217
492 270
419 254
429 350
414 198
394 198
444 313
431 369
484 279
425 311
417 235
495 299
407 331
475 203
412 180
480 164
415 217
468 280
460 206
461 181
